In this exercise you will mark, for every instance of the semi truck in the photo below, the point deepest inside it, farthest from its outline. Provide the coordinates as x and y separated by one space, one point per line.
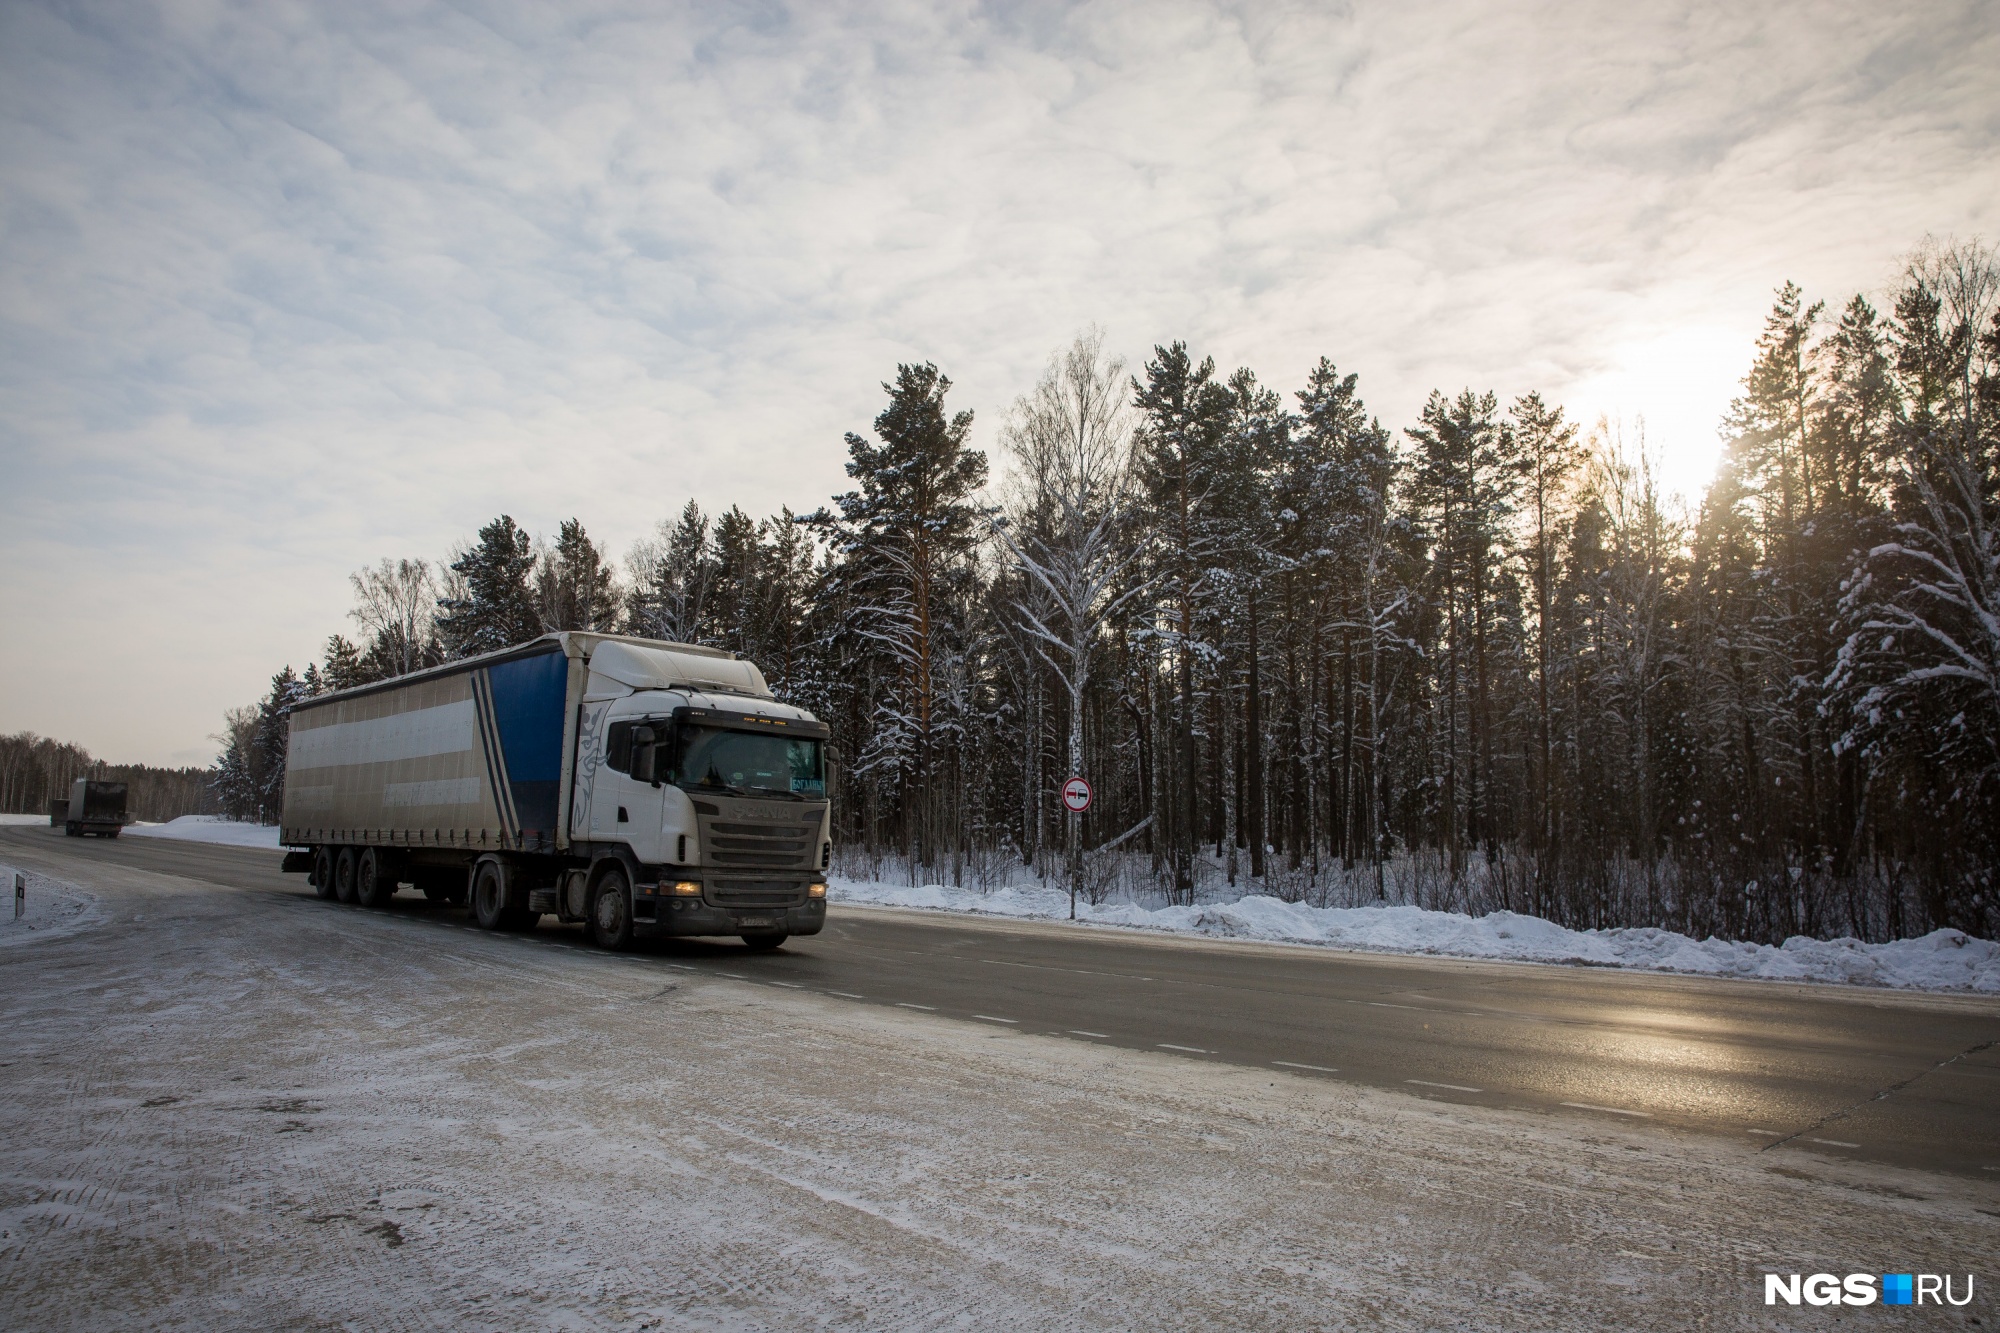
93 807
641 787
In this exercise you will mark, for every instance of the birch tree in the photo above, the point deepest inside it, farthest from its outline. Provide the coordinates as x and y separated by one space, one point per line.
395 604
1921 665
1070 439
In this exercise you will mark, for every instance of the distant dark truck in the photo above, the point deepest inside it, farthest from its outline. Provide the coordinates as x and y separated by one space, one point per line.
94 807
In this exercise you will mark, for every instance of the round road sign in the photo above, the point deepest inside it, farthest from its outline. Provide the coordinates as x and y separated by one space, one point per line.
1076 796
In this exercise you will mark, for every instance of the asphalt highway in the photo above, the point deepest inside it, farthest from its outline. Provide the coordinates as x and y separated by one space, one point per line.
1909 1080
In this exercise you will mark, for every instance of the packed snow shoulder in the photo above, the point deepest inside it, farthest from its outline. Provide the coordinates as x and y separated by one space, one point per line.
208 828
52 909
1944 960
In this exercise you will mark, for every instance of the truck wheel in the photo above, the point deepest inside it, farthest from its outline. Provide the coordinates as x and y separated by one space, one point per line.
374 879
343 874
763 942
491 905
322 874
72 829
611 911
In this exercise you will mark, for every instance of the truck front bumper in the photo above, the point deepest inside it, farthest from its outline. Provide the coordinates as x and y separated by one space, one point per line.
674 917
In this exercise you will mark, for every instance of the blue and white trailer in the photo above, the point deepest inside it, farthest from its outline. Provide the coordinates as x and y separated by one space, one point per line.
641 787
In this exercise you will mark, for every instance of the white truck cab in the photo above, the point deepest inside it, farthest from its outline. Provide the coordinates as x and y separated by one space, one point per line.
716 791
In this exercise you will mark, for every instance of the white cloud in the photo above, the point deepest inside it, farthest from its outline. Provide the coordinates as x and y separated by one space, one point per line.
287 288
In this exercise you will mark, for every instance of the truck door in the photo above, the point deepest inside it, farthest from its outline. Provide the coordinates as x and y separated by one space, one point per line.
625 805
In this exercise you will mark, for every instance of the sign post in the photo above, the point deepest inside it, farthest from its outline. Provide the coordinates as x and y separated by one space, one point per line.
1076 796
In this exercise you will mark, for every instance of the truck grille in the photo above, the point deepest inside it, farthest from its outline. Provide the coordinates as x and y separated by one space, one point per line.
764 846
726 892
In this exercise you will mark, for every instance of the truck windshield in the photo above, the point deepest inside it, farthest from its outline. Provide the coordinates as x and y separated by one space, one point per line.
753 763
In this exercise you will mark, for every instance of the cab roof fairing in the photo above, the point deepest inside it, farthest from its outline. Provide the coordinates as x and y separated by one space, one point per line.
720 708
621 668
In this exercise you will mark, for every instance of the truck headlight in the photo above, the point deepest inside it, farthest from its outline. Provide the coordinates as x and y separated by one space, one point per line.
816 891
688 888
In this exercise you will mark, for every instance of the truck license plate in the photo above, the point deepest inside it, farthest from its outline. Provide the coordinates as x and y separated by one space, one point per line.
755 921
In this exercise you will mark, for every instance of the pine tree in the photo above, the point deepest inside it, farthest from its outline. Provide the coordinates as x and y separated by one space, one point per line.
1256 439
496 607
1550 456
1467 478
906 535
573 583
268 742
671 575
1183 412
345 666
1335 515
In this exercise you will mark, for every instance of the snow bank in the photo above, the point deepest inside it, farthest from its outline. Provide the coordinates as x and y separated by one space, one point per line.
1941 960
43 820
208 828
53 909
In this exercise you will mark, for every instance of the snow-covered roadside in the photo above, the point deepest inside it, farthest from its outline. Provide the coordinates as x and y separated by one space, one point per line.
1944 960
53 908
8 820
208 828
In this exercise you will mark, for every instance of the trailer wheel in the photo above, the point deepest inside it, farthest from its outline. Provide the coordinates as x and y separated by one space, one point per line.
322 872
492 896
72 829
344 874
374 879
611 911
763 942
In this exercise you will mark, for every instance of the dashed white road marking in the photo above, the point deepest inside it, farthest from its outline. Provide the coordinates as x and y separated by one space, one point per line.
1455 1087
905 1004
1834 1143
1079 1032
1767 1133
1294 1064
847 995
1191 1050
1609 1110
988 1018
1079 971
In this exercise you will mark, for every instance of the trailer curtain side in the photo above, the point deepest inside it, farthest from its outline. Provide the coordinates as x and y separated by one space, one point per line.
465 758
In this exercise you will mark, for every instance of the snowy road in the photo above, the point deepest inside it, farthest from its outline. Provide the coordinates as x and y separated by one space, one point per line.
232 1105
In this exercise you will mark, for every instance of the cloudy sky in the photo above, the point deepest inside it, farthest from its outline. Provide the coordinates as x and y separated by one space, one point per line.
286 288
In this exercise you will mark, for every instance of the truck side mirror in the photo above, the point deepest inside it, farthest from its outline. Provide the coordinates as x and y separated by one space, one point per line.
642 755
